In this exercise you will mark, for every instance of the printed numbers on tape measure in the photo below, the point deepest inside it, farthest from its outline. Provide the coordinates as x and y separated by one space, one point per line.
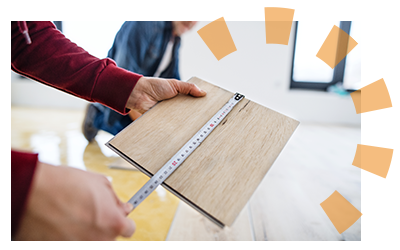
183 153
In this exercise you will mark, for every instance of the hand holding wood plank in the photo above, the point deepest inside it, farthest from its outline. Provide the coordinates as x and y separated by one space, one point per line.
220 176
150 90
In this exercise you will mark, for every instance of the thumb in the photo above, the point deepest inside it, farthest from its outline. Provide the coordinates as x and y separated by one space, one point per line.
189 89
129 228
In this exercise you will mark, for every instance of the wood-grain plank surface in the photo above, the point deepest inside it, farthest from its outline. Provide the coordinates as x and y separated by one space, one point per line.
220 176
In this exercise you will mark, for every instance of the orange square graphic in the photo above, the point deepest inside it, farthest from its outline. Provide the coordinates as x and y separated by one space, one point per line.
278 32
278 24
336 46
278 14
217 37
340 211
373 159
356 97
375 96
372 97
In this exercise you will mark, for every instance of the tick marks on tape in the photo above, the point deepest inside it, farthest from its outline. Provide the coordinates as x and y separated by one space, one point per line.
184 152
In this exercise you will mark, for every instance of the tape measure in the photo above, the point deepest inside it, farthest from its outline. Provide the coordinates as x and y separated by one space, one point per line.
184 152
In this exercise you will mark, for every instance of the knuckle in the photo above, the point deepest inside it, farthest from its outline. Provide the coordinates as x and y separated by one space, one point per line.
187 87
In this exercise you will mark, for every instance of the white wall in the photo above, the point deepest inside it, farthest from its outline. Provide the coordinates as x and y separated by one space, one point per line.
257 70
262 73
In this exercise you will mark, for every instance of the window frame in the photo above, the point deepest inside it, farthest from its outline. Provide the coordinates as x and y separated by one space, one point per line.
338 72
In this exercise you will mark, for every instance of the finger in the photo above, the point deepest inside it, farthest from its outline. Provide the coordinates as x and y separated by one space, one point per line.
129 228
189 89
128 207
125 208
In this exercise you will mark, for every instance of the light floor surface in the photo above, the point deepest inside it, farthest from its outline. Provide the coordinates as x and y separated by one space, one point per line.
286 206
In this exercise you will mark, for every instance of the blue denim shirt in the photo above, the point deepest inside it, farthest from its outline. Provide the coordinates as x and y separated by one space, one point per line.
139 47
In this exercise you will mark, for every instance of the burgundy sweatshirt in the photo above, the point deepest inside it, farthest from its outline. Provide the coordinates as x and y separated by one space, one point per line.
40 52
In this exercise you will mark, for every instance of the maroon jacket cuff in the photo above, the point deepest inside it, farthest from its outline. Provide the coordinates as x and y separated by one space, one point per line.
23 166
54 60
114 86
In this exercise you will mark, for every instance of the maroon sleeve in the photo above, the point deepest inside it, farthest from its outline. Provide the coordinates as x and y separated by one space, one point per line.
23 166
54 60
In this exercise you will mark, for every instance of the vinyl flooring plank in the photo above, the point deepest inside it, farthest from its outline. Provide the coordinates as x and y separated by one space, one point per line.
221 175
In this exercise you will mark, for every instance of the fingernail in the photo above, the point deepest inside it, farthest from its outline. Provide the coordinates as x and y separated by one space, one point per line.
129 206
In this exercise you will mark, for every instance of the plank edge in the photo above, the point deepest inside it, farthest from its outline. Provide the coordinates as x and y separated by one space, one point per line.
181 197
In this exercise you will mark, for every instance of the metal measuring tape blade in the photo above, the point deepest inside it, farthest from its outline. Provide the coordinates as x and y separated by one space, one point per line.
184 152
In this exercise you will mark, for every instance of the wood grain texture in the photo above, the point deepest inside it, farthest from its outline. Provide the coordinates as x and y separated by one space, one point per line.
286 205
220 176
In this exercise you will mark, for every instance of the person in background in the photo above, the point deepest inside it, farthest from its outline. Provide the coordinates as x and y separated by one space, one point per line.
63 203
147 48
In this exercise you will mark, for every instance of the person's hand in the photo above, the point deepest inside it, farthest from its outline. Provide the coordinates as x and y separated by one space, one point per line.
149 90
72 204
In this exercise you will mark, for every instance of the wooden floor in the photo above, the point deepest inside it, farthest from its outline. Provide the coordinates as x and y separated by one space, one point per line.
285 206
